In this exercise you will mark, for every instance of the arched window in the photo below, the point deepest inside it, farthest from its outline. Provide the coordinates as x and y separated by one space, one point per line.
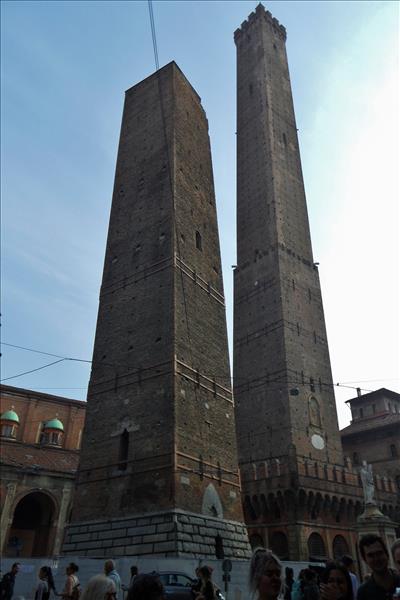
219 547
339 547
279 545
199 245
315 415
123 450
316 547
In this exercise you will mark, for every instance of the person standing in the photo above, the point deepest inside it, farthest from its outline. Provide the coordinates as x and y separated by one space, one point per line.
265 576
42 590
348 562
71 586
310 589
8 581
146 587
383 581
289 579
99 587
134 574
336 583
111 573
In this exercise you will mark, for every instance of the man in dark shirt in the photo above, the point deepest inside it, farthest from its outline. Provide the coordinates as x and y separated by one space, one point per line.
7 583
383 581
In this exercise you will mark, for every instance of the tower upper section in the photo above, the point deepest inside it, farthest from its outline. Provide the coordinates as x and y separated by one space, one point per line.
280 340
270 185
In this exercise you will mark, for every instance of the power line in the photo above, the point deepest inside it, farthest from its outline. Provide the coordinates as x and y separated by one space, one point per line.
153 33
33 370
45 353
272 384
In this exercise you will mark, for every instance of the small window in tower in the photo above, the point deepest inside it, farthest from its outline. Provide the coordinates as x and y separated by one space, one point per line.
219 547
198 241
393 451
123 450
312 386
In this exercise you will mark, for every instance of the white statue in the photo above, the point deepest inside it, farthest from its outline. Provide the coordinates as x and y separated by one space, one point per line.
368 484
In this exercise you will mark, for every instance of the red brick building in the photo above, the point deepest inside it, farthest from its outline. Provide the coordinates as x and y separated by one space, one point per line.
40 440
374 433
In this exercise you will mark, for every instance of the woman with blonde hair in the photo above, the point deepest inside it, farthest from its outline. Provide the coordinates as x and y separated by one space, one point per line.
99 587
265 577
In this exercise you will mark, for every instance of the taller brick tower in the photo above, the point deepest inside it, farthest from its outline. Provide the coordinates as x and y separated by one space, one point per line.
288 438
158 471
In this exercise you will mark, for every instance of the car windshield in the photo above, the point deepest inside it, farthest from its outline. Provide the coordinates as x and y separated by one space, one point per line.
175 579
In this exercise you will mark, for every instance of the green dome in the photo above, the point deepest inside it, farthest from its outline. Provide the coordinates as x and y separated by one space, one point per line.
54 424
10 415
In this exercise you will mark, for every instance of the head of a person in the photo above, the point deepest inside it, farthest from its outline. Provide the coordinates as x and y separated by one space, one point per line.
374 552
265 576
15 568
72 568
205 573
109 566
146 587
289 573
337 577
99 587
309 576
348 562
396 553
134 570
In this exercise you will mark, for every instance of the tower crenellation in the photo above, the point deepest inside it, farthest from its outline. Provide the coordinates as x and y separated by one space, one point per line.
254 17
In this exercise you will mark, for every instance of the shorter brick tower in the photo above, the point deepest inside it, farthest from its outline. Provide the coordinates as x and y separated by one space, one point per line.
158 471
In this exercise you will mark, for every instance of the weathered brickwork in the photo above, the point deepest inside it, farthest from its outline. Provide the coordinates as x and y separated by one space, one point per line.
159 396
294 477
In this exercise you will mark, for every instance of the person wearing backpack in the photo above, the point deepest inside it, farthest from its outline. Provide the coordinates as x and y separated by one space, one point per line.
71 589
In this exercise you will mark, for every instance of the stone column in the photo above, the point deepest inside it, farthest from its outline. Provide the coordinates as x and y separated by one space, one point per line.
6 515
62 517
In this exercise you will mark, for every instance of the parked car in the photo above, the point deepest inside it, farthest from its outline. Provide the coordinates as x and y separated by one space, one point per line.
178 586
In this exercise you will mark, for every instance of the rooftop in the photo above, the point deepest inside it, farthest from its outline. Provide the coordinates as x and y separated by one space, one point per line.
35 458
371 423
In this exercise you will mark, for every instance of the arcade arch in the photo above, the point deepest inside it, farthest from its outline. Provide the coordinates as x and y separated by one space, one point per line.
31 527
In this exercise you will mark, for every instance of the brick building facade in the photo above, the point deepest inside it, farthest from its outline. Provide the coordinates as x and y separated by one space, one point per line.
374 433
301 496
40 440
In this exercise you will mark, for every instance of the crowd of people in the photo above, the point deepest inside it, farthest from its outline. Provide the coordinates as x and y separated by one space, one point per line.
267 581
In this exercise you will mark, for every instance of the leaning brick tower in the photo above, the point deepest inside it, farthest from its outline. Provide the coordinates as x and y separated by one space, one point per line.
298 494
156 476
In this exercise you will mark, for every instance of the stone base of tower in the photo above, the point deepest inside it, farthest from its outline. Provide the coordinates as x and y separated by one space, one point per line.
172 533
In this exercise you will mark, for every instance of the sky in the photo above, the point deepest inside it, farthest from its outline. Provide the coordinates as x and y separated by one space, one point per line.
65 67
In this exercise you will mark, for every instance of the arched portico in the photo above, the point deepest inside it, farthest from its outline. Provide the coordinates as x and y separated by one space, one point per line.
31 530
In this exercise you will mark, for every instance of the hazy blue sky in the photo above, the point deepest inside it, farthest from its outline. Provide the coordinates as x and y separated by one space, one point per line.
65 67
